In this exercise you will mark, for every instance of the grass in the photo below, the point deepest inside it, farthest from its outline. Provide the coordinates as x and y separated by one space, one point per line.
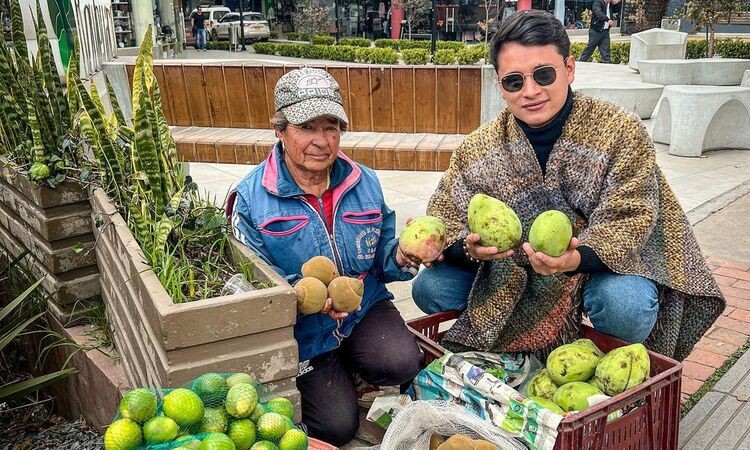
713 379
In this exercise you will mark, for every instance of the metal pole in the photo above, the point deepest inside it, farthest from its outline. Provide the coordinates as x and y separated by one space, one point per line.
242 25
433 38
336 13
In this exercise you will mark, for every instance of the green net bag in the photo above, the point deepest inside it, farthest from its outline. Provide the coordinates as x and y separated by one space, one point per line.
216 411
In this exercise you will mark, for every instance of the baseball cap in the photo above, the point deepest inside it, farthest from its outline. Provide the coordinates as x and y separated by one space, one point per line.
307 93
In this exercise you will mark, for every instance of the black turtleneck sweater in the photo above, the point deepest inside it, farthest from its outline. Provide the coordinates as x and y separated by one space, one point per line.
542 139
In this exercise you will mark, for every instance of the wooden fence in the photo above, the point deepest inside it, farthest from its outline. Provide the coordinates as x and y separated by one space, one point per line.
407 99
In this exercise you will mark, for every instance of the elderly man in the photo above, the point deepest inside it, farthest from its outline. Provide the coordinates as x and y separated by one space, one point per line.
602 19
633 264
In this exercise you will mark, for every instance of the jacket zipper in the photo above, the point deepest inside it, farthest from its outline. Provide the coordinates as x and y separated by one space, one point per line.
329 233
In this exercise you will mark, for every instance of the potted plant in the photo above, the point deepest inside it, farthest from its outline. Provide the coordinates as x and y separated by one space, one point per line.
43 208
165 254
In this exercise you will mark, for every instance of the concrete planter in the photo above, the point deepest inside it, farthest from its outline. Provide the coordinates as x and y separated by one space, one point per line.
52 224
163 344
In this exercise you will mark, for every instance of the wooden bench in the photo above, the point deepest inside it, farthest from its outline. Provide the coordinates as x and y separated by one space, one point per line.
382 151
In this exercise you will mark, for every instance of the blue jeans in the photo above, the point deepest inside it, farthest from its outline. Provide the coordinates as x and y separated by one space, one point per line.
200 38
624 306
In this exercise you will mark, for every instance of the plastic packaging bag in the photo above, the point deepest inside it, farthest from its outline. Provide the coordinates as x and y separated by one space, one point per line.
231 411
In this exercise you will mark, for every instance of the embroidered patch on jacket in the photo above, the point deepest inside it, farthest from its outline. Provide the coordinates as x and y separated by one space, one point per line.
367 243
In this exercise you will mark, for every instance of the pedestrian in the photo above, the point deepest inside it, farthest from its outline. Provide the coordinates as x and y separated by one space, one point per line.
309 199
602 19
199 28
633 266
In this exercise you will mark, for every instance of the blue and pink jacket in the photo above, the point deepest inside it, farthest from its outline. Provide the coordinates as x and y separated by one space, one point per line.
275 218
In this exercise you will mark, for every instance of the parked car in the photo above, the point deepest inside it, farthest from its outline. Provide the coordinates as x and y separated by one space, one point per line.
213 15
256 26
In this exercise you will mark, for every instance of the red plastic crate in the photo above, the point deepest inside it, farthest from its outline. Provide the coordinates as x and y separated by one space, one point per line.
653 425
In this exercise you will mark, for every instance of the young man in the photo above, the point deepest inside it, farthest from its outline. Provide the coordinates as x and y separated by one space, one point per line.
634 265
200 29
602 19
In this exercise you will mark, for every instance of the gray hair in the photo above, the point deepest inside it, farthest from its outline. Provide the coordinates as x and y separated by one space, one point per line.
280 122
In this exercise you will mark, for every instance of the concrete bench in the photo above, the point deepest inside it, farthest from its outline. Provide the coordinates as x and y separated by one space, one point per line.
639 98
656 44
383 151
703 71
746 79
692 119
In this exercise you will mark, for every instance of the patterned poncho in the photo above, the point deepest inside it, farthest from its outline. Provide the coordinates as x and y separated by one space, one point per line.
602 173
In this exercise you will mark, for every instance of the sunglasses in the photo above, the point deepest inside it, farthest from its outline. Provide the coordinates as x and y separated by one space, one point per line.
543 76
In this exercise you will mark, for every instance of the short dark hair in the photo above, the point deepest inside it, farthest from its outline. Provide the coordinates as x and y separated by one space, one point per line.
530 27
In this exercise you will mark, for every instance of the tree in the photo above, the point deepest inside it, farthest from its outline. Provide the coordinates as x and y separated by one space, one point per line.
490 17
310 18
414 10
706 13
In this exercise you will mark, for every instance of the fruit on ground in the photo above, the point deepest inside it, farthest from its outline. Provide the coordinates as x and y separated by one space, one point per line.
211 388
495 222
423 239
217 441
576 396
123 434
243 433
541 386
282 406
264 445
551 233
293 440
239 378
346 293
547 404
311 295
571 362
214 420
622 369
138 405
589 343
241 400
320 267
160 429
183 406
271 426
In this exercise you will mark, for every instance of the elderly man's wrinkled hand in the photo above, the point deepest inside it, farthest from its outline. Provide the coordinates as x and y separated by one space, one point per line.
479 252
550 265
403 260
332 313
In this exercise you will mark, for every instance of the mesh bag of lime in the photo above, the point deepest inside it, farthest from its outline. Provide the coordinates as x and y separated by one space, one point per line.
216 411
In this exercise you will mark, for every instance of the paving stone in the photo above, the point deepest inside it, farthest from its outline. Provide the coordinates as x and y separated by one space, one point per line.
729 336
734 431
700 431
734 273
697 371
706 358
738 374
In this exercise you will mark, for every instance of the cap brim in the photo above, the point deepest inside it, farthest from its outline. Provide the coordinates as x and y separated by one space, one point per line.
313 108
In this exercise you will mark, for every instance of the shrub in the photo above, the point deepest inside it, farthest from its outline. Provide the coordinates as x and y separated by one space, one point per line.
344 53
696 48
355 42
450 45
733 48
387 43
404 44
415 56
274 35
291 50
322 39
316 51
217 45
265 48
376 55
619 52
471 55
445 57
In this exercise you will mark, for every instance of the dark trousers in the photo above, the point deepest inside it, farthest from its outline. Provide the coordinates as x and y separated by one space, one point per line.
597 39
384 353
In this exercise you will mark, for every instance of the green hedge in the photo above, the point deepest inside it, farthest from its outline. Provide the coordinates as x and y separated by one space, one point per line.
355 42
320 39
450 45
445 57
415 56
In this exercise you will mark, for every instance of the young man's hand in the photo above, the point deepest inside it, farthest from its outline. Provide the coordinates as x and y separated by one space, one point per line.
549 265
477 251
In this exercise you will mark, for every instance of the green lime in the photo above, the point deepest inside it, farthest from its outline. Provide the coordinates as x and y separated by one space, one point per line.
271 426
160 429
242 432
264 445
240 378
123 434
138 405
183 406
293 440
282 406
217 441
189 443
211 388
241 400
214 420
259 410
